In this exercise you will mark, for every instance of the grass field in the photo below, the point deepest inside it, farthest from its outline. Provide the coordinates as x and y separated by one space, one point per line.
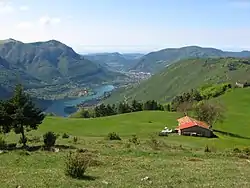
173 161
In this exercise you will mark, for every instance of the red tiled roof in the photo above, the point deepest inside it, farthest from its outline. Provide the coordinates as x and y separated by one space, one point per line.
187 122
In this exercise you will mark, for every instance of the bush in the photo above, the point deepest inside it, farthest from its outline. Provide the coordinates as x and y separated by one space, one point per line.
154 143
49 139
77 164
113 136
65 135
207 149
11 145
34 139
236 150
3 143
246 151
23 140
134 140
75 139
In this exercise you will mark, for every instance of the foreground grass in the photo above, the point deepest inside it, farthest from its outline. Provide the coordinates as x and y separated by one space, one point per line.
173 161
124 165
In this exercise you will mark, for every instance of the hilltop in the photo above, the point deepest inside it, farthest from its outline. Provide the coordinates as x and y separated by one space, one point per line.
158 60
42 64
183 76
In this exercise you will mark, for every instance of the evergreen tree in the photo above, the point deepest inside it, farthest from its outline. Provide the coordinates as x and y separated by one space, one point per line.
84 113
25 116
168 107
5 119
97 111
110 110
147 105
136 106
123 108
114 109
103 110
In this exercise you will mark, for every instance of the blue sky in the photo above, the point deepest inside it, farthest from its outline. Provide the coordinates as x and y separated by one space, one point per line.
129 25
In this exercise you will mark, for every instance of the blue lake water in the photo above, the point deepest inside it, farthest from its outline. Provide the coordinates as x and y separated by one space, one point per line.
58 106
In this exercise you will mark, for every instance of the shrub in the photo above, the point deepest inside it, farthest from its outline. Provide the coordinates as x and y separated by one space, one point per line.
23 140
127 145
236 150
76 164
3 143
207 149
75 139
11 145
246 151
154 143
65 135
34 139
113 136
134 140
49 139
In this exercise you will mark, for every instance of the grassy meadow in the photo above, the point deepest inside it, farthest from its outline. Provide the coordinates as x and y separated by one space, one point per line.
173 161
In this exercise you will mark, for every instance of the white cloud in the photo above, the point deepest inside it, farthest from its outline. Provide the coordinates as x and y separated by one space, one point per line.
6 7
24 8
24 25
46 20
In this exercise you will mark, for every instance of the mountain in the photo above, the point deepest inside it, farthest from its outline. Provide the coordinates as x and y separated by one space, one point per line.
115 61
52 62
42 64
185 75
156 61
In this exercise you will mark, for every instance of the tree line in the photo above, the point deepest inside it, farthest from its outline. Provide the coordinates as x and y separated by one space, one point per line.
19 114
186 100
121 108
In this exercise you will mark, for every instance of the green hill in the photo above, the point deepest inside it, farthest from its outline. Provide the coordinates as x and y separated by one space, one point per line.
183 76
145 123
156 61
52 62
237 112
162 159
49 63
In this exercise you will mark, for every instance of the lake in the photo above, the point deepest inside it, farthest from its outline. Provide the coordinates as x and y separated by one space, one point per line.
58 106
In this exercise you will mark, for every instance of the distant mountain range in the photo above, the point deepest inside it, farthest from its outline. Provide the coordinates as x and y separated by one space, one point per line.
46 63
183 76
53 65
115 61
157 61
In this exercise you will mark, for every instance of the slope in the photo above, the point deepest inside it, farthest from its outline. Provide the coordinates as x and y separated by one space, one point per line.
237 112
184 75
156 61
52 62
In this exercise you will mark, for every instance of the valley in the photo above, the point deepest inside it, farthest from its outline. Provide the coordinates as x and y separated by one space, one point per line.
124 94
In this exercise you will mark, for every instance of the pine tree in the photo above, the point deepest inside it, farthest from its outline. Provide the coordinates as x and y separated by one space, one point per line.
97 111
136 106
5 120
25 116
110 110
103 110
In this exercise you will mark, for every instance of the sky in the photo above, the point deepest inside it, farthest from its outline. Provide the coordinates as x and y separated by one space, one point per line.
90 26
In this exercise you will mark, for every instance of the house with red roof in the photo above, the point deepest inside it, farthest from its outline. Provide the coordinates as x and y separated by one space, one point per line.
192 127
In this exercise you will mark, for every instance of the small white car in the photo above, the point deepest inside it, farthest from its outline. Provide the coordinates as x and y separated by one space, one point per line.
165 131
